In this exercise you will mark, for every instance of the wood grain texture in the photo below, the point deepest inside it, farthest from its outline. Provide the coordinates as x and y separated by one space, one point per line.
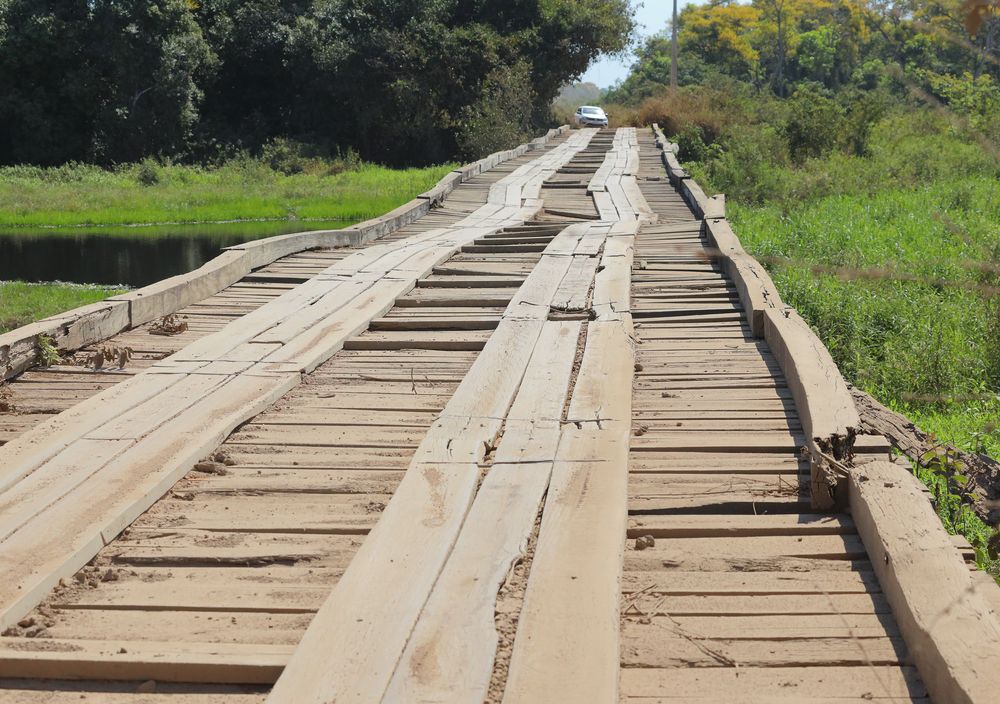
951 631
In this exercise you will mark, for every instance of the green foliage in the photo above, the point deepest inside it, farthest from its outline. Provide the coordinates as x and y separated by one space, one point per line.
977 99
942 472
242 189
147 173
813 125
22 303
501 117
817 54
792 45
891 281
47 352
691 145
98 80
113 81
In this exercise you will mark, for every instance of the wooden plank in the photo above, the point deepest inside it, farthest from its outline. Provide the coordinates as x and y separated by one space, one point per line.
61 536
780 683
574 582
687 526
53 658
394 269
949 628
817 581
449 656
669 646
756 289
428 508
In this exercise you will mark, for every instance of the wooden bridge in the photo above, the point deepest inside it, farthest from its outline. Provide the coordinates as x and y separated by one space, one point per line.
545 434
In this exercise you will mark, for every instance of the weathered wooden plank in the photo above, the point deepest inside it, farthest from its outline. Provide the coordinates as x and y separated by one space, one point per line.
574 583
61 536
800 684
949 628
141 660
822 399
449 656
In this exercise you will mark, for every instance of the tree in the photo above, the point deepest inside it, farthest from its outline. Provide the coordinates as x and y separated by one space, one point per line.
98 80
722 34
47 86
401 77
149 54
776 27
398 80
256 89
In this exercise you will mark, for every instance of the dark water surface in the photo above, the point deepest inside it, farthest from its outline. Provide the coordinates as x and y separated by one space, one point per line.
134 256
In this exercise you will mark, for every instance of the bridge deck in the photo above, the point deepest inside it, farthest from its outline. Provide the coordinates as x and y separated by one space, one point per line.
558 467
742 588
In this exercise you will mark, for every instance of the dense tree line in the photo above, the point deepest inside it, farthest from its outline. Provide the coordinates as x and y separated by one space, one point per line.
948 50
399 81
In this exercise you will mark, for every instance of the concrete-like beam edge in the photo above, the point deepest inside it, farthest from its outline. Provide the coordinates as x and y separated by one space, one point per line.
86 325
822 398
668 154
753 284
943 612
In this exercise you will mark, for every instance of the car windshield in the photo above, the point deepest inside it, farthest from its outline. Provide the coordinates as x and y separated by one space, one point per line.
590 111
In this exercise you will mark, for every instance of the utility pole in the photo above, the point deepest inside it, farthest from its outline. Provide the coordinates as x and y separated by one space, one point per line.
673 50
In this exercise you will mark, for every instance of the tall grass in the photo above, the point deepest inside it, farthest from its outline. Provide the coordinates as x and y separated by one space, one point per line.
902 286
22 303
247 189
892 253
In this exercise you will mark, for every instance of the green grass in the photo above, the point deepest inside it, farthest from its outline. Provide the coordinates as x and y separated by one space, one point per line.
900 284
22 303
80 195
894 259
76 200
224 233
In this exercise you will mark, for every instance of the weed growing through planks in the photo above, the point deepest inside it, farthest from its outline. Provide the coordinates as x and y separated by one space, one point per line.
47 352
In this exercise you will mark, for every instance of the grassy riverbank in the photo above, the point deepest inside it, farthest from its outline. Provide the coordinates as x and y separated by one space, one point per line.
22 303
902 286
261 197
76 195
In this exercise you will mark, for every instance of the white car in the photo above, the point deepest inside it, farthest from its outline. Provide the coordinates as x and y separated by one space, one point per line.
590 116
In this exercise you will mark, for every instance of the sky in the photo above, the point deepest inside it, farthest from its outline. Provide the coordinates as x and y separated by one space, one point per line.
652 17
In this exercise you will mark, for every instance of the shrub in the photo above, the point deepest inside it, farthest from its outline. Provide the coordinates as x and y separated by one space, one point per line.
813 125
691 145
147 173
286 155
501 117
708 110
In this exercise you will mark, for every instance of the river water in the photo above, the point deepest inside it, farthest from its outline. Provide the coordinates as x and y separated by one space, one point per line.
133 256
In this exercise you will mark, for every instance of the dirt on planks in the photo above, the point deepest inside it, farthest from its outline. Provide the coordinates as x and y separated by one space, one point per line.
509 602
